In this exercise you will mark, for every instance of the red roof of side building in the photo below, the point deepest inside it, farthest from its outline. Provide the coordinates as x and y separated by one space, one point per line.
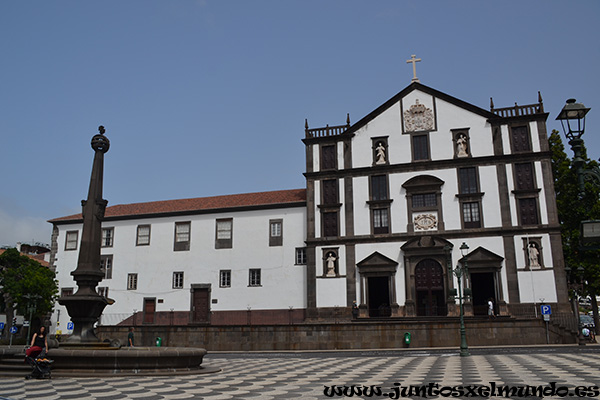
37 257
279 198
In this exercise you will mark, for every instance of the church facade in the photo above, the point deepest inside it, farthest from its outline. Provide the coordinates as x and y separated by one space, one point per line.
392 205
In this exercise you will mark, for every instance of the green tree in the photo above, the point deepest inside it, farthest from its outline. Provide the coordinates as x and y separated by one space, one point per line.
574 207
25 283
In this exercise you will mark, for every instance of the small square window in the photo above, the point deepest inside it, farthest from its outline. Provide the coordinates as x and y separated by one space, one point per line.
254 278
107 237
66 292
132 280
301 256
71 240
143 235
225 278
178 280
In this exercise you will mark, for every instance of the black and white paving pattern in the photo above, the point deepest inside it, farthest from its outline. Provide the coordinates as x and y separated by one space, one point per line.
314 375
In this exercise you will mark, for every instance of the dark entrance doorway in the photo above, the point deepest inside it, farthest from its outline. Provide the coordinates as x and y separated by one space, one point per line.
482 285
429 282
200 304
379 296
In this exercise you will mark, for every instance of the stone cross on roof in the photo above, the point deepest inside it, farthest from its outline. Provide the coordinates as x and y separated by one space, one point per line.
414 62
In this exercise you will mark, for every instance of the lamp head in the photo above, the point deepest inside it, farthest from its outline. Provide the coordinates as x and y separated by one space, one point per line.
574 114
463 248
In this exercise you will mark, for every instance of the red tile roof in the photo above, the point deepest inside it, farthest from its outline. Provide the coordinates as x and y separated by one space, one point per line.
200 204
37 257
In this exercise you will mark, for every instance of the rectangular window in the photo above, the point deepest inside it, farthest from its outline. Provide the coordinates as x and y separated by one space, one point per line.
132 281
106 266
424 200
107 237
330 191
328 157
225 278
381 221
178 280
254 277
103 291
379 187
182 236
224 234
468 180
420 147
71 240
66 292
330 224
276 232
143 235
301 256
524 176
471 215
528 211
520 139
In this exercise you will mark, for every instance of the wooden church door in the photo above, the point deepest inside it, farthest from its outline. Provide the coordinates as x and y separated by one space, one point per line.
429 282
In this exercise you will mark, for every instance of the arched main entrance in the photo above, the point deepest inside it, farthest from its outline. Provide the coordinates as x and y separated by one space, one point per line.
429 286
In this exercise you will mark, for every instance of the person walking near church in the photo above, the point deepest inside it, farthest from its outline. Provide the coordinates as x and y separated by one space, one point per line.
491 308
130 338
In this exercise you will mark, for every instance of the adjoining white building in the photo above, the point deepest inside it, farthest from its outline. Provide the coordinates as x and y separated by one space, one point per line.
388 203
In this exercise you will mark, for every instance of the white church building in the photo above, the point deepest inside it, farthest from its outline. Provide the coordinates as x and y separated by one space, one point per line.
389 202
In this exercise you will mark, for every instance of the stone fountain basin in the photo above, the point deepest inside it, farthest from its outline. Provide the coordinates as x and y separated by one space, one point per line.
88 361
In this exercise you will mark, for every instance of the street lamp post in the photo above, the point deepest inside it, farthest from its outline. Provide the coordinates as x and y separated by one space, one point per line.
575 283
572 119
459 271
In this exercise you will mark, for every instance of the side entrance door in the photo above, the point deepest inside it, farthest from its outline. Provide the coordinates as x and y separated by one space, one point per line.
200 313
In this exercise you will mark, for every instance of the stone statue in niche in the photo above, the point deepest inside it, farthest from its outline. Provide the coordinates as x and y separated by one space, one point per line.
534 255
462 149
330 264
418 118
380 154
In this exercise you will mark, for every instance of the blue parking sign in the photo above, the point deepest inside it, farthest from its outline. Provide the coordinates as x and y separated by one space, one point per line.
1 325
546 310
70 326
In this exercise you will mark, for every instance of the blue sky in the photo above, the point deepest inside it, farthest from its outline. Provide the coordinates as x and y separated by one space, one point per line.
203 98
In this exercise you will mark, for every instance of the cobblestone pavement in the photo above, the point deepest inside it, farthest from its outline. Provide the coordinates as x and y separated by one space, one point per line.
313 375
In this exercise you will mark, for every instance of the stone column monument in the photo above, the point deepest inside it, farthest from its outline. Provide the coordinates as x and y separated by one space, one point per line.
85 306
